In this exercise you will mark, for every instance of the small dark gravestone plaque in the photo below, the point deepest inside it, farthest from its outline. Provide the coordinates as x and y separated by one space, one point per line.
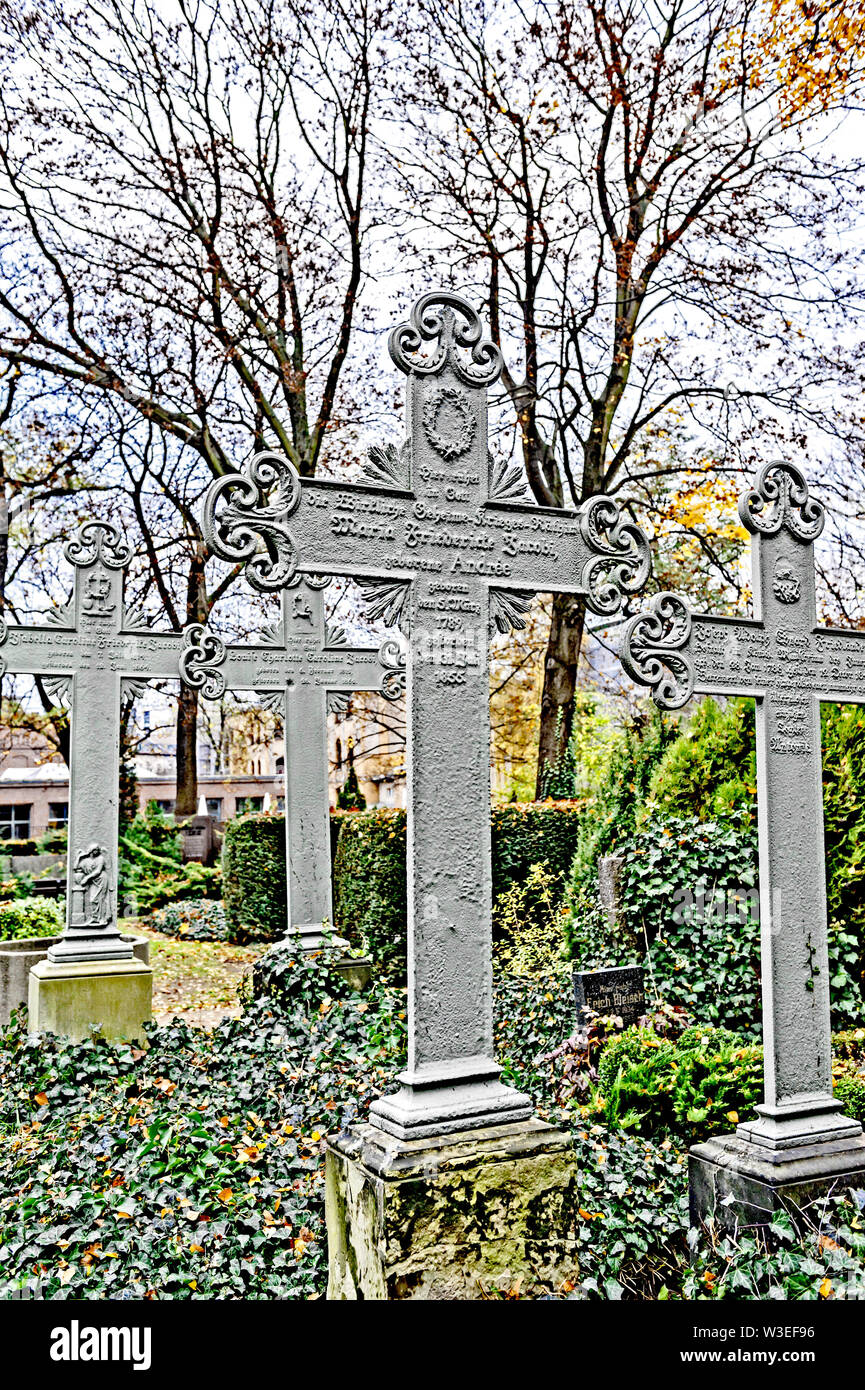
620 990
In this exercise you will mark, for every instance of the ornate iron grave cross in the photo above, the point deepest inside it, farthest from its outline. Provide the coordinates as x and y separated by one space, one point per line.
87 651
451 546
788 664
299 670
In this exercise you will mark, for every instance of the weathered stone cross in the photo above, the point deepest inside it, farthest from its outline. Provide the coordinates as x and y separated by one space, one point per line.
788 664
452 545
99 646
299 670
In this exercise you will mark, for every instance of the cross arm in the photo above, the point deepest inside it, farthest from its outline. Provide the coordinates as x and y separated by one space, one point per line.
278 525
38 651
840 655
677 653
213 666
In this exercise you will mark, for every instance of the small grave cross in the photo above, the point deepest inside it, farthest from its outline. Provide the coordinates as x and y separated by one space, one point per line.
449 545
299 671
788 664
87 651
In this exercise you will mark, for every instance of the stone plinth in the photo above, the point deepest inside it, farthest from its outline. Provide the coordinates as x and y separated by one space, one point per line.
17 958
69 999
610 868
736 1181
456 1216
355 970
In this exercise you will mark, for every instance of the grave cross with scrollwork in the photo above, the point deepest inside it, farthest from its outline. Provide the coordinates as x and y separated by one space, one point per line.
87 652
788 663
303 668
449 546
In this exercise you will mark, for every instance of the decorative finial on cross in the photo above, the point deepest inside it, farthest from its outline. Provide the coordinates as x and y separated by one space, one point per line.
98 540
243 518
780 498
446 318
654 651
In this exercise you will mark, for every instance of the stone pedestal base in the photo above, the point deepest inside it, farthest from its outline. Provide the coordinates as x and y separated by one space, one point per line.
18 957
739 1182
461 1216
355 970
69 1000
313 936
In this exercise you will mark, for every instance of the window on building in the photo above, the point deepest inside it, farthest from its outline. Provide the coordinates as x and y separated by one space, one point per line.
15 822
146 720
58 814
280 767
280 804
249 805
339 752
166 806
214 807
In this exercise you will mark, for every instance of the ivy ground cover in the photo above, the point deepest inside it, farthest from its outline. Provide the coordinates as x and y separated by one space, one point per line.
193 1169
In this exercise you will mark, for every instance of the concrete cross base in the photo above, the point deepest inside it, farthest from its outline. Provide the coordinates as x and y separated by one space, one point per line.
355 970
70 999
737 1181
461 1216
18 957
309 937
447 1097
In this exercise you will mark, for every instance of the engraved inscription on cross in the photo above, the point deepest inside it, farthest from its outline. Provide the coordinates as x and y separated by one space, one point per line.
86 651
788 664
448 545
299 670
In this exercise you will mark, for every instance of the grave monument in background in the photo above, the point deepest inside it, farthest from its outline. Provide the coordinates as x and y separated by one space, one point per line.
87 652
302 668
800 1144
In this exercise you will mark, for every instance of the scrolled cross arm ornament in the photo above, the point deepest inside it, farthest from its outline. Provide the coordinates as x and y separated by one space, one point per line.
244 520
655 651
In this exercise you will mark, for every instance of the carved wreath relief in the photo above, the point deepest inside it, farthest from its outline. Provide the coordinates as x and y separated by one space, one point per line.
449 423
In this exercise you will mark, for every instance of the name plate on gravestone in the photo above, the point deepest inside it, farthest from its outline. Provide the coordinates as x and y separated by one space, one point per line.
619 990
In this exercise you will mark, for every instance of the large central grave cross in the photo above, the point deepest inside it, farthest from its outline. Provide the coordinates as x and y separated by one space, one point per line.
788 664
451 546
86 651
299 670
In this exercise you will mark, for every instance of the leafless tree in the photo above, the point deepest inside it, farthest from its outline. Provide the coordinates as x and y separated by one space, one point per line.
184 195
645 195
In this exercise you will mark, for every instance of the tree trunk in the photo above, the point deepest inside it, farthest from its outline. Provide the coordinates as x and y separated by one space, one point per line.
186 803
560 680
187 752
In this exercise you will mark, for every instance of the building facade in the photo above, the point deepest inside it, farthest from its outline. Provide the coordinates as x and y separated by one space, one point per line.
240 771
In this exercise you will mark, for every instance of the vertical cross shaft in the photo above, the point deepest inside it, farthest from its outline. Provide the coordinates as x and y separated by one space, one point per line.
299 667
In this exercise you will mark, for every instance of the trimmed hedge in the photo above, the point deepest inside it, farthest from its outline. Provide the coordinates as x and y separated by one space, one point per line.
253 877
533 832
369 884
31 917
369 874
